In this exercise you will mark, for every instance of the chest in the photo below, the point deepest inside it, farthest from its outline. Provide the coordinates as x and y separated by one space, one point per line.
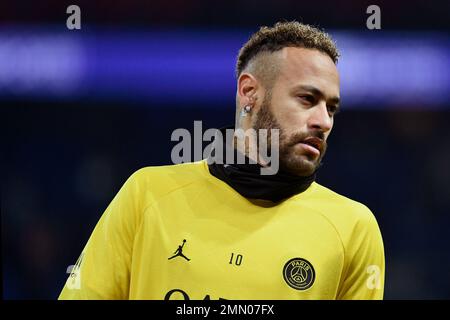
222 250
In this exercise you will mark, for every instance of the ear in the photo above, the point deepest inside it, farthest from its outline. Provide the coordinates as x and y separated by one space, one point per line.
247 89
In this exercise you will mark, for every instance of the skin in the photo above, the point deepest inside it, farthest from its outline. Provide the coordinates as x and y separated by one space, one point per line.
300 99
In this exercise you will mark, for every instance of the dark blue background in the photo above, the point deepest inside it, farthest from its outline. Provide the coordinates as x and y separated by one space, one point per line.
63 160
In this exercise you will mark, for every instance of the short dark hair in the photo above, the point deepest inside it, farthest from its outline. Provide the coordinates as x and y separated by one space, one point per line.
285 34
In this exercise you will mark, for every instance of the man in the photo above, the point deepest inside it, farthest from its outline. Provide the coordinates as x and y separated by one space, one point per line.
241 234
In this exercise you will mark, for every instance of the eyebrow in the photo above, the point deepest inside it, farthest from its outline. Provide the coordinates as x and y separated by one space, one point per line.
317 92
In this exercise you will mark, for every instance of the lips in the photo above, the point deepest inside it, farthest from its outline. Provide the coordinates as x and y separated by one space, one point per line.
314 142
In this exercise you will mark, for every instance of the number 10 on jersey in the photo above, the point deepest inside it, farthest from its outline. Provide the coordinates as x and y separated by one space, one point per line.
236 260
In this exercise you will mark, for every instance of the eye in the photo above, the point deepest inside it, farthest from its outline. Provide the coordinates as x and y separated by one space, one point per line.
306 98
332 110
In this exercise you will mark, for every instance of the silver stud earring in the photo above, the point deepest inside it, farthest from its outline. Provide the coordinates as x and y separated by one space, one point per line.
245 110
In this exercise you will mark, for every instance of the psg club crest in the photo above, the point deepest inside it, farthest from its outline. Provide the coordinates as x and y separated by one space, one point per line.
299 274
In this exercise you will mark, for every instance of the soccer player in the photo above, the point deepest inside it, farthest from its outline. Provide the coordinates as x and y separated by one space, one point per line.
208 230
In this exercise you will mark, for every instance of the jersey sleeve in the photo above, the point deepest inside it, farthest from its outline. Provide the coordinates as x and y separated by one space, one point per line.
364 275
103 268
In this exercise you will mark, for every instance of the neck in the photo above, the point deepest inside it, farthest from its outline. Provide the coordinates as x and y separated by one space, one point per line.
250 150
248 180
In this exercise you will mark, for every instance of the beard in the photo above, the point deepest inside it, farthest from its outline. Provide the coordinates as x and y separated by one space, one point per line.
292 160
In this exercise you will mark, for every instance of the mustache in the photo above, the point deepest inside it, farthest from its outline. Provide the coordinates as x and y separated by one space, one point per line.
300 137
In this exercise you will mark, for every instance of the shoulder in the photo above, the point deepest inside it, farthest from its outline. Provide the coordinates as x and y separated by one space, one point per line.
345 213
161 180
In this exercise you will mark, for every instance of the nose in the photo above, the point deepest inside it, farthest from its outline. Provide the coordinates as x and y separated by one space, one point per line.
319 118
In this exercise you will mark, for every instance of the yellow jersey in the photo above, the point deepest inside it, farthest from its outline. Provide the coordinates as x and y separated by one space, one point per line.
178 232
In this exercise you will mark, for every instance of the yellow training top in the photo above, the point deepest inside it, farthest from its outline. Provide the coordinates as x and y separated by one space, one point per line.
177 232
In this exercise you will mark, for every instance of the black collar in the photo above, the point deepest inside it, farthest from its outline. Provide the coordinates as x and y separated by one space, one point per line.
247 180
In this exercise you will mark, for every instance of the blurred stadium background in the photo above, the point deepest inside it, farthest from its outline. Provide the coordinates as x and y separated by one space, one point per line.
82 110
